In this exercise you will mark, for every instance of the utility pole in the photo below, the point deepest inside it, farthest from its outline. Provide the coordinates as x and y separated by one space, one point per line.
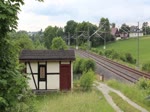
104 41
138 48
145 30
88 38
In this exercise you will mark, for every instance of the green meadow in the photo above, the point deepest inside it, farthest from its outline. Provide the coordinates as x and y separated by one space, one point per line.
131 46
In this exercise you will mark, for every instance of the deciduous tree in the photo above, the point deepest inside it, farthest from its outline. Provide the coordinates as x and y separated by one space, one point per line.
51 32
13 85
58 44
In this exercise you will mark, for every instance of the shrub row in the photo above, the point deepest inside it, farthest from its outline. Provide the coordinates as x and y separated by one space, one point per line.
126 57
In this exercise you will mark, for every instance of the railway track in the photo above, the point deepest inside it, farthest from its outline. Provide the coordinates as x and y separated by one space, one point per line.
120 70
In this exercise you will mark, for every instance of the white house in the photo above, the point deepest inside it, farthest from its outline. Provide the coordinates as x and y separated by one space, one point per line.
135 32
49 69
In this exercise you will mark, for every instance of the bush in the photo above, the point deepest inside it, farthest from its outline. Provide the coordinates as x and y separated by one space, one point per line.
15 93
87 64
146 67
76 66
108 53
84 46
83 65
122 57
115 55
112 54
100 53
87 80
129 58
144 84
95 50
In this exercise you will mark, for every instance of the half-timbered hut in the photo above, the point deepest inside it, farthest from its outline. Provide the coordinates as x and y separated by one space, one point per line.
49 69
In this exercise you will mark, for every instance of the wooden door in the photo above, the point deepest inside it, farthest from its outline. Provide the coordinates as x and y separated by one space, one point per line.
65 77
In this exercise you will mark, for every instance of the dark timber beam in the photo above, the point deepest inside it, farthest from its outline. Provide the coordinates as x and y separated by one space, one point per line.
32 75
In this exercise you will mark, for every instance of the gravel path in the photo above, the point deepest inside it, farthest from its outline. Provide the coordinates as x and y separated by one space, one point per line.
106 89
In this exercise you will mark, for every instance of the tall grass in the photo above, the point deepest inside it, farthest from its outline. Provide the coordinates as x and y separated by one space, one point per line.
123 105
92 101
131 91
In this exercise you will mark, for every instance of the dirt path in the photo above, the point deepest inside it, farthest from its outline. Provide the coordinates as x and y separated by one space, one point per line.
106 89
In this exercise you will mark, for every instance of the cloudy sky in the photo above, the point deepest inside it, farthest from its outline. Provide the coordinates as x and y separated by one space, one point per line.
36 15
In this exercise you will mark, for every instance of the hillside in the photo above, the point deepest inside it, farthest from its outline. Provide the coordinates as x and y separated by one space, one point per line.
130 46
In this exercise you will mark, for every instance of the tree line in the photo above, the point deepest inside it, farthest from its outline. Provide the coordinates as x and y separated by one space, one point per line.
78 33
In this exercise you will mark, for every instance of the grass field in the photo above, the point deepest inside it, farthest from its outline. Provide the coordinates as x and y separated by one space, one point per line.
130 46
92 101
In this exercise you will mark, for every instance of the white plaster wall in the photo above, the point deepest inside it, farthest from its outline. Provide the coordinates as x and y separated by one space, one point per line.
141 34
31 82
135 34
53 82
132 35
42 85
34 67
53 67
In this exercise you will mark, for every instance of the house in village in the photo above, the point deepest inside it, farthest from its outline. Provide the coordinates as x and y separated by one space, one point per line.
124 35
49 69
134 32
114 32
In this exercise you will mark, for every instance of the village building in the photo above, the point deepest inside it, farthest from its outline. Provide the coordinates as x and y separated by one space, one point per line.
49 69
135 32
119 35
124 35
115 32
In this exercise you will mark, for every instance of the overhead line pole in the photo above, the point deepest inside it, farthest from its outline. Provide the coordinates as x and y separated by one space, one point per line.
138 48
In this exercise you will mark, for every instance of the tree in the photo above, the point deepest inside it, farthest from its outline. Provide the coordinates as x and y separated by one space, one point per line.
58 44
146 28
70 30
37 36
71 27
124 28
85 29
13 85
104 26
38 45
51 32
113 25
21 40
